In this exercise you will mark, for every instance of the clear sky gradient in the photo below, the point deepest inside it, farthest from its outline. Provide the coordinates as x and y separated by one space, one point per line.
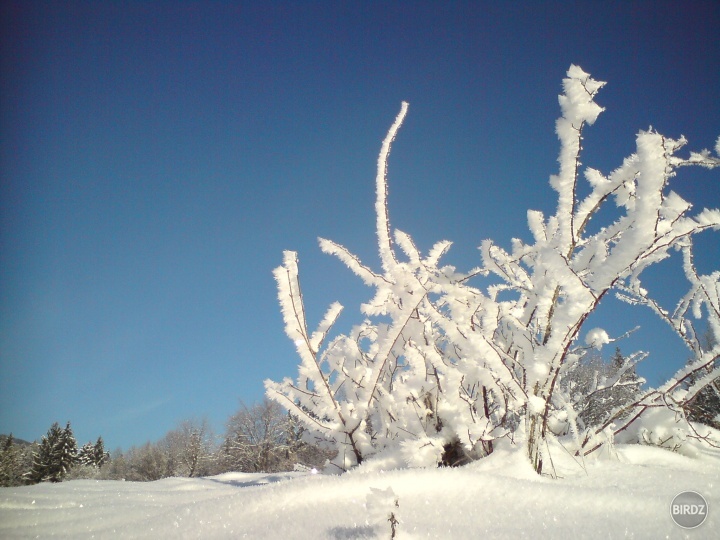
157 158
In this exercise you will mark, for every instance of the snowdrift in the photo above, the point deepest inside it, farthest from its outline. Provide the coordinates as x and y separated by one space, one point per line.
627 495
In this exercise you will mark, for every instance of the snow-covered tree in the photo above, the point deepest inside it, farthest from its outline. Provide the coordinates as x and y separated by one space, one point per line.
43 456
146 464
266 438
100 455
258 439
86 455
93 455
188 449
68 449
117 467
11 462
55 455
439 369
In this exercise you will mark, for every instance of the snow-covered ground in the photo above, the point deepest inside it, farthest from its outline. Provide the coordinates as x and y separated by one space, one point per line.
627 496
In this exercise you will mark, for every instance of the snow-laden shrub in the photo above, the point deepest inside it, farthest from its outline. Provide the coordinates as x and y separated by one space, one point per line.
663 428
440 369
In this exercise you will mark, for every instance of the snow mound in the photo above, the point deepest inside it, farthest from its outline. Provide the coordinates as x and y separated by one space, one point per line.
496 497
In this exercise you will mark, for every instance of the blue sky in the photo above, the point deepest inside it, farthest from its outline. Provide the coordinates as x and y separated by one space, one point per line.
156 158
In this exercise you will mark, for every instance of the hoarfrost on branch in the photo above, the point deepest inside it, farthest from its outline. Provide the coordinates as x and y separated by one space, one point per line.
456 368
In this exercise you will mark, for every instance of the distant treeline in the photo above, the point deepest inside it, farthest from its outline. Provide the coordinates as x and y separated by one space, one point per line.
261 438
265 438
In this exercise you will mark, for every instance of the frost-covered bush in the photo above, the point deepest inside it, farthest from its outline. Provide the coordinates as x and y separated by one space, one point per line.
440 369
667 429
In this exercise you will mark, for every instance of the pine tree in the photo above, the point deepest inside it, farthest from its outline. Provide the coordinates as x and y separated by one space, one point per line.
67 451
54 457
5 458
100 456
90 458
86 455
10 463
44 466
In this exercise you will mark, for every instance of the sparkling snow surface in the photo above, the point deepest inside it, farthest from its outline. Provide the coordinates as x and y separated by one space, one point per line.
499 497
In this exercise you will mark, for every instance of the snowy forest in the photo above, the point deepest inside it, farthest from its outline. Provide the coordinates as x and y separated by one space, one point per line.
447 364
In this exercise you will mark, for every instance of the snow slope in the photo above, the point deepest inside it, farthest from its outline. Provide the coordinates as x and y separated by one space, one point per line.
627 496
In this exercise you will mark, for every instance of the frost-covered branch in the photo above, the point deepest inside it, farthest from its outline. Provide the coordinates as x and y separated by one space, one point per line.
440 368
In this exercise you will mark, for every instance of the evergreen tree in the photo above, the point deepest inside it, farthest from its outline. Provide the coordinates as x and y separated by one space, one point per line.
100 456
86 455
10 463
54 457
93 455
67 450
46 459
